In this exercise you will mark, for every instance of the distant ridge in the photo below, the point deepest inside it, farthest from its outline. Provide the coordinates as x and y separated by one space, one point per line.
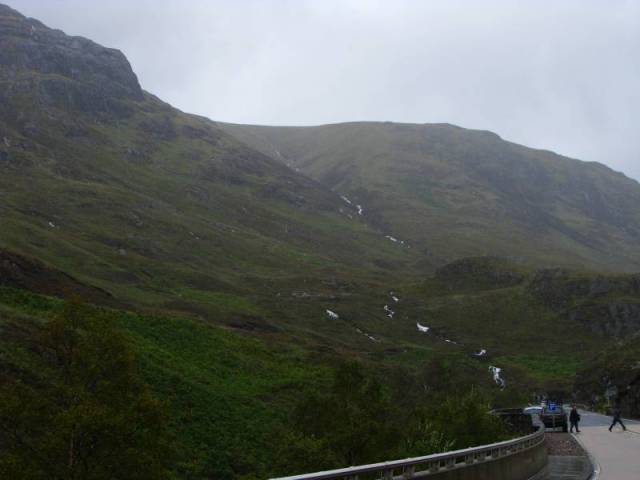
457 192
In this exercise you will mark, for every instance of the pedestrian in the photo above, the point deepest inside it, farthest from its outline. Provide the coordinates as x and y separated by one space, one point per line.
617 419
574 419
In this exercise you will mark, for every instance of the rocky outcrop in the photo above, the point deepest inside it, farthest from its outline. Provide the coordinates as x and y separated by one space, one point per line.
604 305
58 70
26 44
559 288
612 319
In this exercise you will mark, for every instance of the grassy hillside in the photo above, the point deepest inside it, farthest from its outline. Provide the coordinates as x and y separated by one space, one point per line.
245 263
234 401
540 325
232 394
158 208
169 212
227 393
452 192
611 378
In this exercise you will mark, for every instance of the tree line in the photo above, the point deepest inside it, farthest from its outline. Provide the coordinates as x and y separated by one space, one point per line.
82 411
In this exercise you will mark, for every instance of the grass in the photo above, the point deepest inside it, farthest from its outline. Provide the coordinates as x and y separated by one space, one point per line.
457 193
203 214
227 393
198 232
224 302
549 369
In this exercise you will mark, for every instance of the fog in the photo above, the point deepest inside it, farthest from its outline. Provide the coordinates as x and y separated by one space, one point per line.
562 75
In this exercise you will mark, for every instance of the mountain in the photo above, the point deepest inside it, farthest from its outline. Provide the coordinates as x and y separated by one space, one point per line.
453 192
109 184
244 263
110 192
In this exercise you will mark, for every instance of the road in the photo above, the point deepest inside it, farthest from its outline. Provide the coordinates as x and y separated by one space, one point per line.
617 453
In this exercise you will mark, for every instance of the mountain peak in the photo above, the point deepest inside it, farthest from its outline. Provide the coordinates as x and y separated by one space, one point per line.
60 66
7 11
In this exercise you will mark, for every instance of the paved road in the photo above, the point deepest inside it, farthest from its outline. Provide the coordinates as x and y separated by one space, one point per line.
617 453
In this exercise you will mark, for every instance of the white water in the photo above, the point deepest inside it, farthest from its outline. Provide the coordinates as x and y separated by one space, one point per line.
370 337
422 328
495 372
333 315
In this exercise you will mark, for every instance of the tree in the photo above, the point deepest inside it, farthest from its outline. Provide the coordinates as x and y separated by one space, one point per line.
354 419
80 411
466 421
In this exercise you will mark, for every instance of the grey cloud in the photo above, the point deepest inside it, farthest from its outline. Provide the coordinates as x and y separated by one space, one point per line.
557 75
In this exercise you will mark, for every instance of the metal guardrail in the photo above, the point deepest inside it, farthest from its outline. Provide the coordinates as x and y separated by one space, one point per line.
431 464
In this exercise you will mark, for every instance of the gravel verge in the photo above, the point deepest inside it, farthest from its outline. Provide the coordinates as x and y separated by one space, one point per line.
563 444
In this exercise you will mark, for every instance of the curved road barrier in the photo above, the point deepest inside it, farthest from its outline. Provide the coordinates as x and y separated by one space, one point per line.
522 458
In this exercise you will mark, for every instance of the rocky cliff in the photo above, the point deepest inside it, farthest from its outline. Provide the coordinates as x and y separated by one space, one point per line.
72 72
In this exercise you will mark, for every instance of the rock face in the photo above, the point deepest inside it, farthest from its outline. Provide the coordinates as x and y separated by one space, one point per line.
612 319
61 70
558 287
605 305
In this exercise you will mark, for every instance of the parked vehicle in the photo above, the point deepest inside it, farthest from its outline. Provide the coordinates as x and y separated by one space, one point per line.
533 410
554 416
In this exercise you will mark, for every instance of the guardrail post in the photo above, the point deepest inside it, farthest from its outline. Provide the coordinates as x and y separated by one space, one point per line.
409 472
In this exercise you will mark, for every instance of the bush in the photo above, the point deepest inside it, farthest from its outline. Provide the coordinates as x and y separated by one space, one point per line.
83 412
466 421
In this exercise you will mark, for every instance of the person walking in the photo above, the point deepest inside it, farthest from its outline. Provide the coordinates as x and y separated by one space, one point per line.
574 419
617 419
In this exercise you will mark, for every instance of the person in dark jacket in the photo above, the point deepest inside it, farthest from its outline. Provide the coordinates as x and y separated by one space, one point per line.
617 419
574 419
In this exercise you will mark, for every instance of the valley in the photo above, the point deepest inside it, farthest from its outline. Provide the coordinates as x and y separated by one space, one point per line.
249 268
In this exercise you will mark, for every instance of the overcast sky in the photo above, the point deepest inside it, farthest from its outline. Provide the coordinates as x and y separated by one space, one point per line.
560 75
